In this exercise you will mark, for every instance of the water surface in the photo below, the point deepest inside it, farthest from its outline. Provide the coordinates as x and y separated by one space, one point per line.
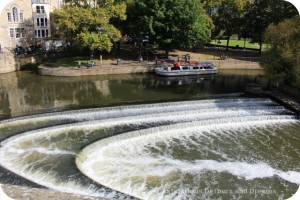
147 136
24 93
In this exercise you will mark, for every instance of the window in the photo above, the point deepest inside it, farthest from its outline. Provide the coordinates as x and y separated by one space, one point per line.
38 21
21 17
15 14
61 3
11 32
39 33
35 32
47 33
42 21
195 67
22 32
38 9
43 33
46 22
9 17
18 32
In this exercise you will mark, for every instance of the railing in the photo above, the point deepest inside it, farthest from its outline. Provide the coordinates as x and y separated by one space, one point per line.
40 1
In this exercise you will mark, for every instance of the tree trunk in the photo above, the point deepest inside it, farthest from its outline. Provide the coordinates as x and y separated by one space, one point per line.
167 53
260 47
227 46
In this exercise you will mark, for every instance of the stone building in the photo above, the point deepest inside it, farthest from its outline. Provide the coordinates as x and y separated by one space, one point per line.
24 23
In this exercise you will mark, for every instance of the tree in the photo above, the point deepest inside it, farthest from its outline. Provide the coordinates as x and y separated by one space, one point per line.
282 61
211 6
169 23
229 17
87 23
261 13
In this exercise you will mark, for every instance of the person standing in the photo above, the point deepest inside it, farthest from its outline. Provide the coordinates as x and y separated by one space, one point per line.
140 58
156 60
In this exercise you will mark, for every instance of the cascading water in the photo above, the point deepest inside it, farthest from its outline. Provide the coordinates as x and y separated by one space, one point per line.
229 148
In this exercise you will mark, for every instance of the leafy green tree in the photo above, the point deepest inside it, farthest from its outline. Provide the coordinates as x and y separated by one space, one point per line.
282 61
169 23
210 6
261 13
229 18
87 23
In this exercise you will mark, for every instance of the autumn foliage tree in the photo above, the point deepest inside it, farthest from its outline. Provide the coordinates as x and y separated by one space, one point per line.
282 61
87 23
262 13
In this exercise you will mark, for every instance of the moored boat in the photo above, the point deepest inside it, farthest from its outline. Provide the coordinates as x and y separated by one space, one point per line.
186 68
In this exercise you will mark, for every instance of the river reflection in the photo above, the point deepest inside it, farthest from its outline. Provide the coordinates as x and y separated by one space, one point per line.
23 93
166 147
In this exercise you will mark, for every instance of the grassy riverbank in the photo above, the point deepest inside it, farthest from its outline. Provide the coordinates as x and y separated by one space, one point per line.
238 43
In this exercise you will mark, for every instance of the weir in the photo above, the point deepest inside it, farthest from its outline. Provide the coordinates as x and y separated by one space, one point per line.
13 126
153 151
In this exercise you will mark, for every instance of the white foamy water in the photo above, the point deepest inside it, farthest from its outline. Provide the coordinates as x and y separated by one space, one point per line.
144 163
139 173
122 161
121 111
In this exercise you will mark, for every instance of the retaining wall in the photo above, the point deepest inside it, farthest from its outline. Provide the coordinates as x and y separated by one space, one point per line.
96 70
133 67
236 64
7 62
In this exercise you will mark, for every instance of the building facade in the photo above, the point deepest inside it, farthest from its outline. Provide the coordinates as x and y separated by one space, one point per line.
25 22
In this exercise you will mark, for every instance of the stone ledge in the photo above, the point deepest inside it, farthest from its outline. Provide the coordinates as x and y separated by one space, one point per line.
235 64
129 68
96 70
282 98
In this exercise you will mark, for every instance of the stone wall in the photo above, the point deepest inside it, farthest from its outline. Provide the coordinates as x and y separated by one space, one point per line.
97 70
8 41
7 62
26 59
130 67
294 92
236 64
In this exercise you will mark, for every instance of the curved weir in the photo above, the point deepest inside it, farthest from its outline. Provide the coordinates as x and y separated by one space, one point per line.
159 151
22 124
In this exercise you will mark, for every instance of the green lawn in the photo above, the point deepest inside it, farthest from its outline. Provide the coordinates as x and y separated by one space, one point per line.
234 43
73 61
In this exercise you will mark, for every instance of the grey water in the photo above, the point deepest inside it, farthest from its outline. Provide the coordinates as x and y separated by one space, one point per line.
25 93
148 137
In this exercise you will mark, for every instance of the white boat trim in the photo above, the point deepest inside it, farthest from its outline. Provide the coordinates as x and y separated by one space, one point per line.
185 69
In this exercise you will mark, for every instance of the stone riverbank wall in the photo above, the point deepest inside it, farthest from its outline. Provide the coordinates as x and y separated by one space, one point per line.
9 62
132 67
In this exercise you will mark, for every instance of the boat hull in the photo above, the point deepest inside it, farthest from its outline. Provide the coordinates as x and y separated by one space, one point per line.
162 72
186 69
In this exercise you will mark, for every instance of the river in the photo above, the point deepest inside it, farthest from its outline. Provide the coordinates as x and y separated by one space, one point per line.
148 137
